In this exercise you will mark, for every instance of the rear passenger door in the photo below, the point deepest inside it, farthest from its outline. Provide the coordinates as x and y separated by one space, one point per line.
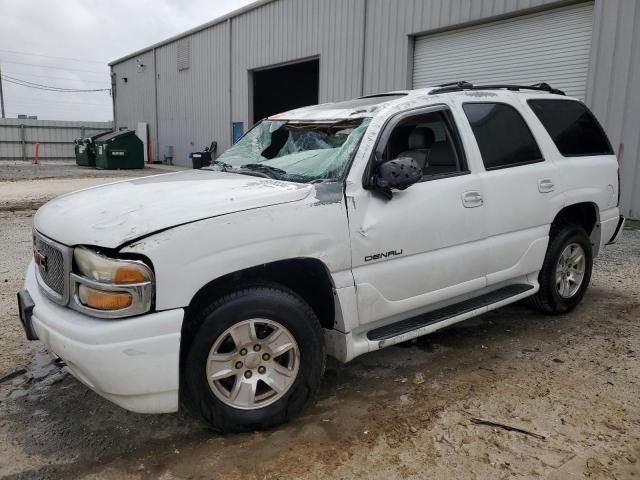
519 186
582 153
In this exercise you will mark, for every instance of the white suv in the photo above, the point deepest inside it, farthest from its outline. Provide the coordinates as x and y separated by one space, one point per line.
333 229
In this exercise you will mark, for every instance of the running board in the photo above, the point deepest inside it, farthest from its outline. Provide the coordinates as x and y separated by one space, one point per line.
398 329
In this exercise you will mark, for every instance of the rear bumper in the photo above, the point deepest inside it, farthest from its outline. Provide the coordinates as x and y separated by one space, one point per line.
618 231
132 362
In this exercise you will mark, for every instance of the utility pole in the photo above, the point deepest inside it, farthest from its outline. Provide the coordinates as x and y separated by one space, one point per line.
1 96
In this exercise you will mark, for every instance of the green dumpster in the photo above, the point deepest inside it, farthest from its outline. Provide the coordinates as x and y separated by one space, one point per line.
119 150
85 150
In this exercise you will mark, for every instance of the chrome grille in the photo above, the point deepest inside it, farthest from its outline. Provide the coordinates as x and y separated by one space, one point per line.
52 273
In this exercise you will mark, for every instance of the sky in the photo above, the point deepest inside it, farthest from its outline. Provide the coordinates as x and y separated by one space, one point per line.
68 43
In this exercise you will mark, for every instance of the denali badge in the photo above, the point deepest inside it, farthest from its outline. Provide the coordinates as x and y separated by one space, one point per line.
378 256
40 259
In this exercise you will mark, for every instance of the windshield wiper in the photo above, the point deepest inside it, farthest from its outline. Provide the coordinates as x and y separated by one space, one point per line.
323 180
223 166
274 172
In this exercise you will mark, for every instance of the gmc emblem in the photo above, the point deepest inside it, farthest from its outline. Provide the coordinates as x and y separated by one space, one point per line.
40 259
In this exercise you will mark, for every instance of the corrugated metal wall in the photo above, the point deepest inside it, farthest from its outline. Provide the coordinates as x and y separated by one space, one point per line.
364 46
289 30
614 74
55 137
135 99
194 105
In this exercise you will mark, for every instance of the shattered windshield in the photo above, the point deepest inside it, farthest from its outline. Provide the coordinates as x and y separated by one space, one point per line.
295 151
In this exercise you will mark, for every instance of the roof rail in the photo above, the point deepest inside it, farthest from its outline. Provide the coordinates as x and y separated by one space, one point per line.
459 86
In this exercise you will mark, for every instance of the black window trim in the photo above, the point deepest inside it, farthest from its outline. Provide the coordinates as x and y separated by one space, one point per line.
511 165
392 122
575 155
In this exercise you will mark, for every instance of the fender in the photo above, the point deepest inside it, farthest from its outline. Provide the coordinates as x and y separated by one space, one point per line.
190 256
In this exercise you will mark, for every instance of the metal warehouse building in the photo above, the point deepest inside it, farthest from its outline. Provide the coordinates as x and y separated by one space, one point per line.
214 81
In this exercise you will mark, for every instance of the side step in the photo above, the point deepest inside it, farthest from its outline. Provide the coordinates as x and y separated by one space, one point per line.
442 314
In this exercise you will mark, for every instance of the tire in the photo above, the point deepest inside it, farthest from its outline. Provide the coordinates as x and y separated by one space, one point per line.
224 328
549 298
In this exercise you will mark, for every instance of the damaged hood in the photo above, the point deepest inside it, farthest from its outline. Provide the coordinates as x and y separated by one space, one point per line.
114 214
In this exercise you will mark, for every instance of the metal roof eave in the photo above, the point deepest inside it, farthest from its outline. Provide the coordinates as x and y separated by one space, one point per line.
199 28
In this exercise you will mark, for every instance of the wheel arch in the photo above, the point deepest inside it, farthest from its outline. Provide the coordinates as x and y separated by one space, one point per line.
308 277
584 214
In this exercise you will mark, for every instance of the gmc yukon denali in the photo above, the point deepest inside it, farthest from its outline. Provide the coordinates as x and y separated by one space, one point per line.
335 229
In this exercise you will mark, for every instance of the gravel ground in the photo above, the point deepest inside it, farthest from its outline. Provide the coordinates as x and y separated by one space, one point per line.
403 412
17 171
25 186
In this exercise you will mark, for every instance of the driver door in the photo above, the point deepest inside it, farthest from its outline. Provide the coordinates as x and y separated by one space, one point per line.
424 246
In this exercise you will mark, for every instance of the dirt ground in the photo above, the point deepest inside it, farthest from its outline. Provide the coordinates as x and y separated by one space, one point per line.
405 412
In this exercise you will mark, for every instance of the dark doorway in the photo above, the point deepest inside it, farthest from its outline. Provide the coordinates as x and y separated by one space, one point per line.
283 88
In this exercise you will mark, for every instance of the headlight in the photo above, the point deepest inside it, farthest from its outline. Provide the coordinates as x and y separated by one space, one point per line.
108 287
107 270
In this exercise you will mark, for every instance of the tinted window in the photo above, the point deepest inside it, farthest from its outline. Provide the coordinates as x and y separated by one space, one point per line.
573 128
502 135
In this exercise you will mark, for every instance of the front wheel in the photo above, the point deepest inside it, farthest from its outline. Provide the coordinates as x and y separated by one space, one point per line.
256 359
566 271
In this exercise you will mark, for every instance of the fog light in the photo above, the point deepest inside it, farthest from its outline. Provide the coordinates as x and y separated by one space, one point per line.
101 300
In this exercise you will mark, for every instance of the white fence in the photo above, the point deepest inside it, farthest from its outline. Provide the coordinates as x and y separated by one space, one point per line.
18 138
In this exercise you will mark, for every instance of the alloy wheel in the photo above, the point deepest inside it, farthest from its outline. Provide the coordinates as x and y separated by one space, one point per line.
570 270
253 364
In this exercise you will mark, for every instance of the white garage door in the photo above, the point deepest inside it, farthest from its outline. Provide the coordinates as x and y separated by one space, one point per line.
551 46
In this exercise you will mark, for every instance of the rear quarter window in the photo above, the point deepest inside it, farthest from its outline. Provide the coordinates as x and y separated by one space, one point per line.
572 127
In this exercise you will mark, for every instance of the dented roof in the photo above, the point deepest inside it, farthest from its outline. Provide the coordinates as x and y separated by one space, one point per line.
358 108
370 105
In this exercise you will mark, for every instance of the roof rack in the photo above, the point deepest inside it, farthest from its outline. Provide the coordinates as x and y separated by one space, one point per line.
385 94
459 86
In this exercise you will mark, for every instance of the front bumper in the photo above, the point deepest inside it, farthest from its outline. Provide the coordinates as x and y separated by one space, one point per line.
133 362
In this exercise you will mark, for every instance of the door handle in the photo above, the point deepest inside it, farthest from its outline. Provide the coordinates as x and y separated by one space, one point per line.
472 199
545 185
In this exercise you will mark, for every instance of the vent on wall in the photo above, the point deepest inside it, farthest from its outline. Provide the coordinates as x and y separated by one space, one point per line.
184 54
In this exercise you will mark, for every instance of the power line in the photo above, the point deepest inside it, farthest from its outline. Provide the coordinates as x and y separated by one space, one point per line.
25 83
59 90
50 88
55 68
51 56
57 78
38 102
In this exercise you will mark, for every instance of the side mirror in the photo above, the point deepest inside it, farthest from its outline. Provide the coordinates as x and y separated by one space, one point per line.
399 173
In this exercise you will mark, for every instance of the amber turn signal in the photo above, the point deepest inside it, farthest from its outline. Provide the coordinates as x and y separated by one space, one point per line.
129 274
100 300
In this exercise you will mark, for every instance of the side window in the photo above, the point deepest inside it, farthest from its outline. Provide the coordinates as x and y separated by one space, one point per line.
431 140
503 136
573 128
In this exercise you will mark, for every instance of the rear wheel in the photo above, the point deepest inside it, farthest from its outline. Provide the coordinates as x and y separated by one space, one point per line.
566 271
256 359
